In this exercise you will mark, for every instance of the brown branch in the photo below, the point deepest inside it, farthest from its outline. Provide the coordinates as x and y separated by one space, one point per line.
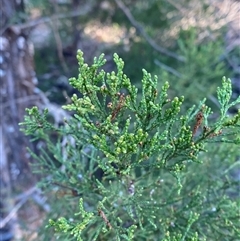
119 107
199 120
102 214
151 42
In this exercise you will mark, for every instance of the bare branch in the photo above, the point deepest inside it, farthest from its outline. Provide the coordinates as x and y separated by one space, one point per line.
33 193
145 35
58 40
15 209
32 23
168 68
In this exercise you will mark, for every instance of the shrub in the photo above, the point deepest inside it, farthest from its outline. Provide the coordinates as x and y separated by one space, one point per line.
138 169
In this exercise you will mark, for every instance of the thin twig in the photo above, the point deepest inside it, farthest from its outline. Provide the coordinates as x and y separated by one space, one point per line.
15 209
168 68
28 99
102 214
32 23
145 35
58 40
23 198
25 194
177 6
41 201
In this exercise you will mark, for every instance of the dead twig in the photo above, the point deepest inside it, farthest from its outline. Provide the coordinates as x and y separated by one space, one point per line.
118 107
168 68
199 120
177 6
103 216
25 99
12 214
33 193
58 40
152 43
32 23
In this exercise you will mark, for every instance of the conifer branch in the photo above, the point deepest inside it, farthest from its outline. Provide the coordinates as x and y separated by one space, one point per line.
142 157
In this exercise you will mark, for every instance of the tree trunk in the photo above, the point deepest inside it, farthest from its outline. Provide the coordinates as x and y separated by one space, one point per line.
17 92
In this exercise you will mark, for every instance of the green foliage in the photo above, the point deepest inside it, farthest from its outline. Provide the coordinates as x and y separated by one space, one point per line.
201 71
139 169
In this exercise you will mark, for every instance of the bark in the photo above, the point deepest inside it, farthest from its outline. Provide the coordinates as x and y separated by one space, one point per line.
16 90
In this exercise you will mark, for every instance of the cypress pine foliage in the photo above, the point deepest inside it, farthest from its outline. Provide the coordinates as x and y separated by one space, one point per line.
137 168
